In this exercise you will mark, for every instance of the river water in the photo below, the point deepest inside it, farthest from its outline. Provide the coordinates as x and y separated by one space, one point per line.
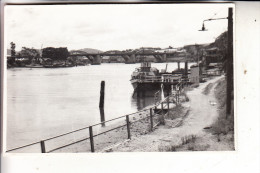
43 103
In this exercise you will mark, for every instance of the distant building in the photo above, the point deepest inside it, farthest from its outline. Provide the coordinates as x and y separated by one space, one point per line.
214 72
214 69
167 50
194 74
211 55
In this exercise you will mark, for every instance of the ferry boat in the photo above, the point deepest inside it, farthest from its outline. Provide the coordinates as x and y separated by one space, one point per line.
147 77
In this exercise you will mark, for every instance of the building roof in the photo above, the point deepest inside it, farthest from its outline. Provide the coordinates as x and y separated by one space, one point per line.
214 64
213 48
194 66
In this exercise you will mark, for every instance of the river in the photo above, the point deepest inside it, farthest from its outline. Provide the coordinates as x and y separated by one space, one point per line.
44 102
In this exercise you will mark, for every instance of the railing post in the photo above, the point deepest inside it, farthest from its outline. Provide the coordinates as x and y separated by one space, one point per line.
43 147
128 127
162 108
91 139
151 118
162 117
177 98
168 105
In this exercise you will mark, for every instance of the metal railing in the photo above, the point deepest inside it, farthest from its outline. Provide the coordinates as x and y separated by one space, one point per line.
153 112
168 79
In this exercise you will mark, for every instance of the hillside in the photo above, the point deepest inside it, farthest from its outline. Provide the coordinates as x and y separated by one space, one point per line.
89 50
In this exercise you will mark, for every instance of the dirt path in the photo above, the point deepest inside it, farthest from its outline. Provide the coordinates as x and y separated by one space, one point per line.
202 113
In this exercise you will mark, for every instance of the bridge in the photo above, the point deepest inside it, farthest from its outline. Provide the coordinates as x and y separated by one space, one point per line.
129 57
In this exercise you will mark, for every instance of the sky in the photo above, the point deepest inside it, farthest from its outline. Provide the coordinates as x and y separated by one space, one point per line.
112 26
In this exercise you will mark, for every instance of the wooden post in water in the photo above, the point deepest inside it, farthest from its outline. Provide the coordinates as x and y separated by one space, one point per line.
178 65
91 139
151 118
101 102
102 117
102 94
43 147
128 127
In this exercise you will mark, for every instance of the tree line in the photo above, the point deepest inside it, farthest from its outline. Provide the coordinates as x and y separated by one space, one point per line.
29 55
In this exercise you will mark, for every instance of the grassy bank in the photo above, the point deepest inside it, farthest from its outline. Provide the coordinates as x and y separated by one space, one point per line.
216 137
224 125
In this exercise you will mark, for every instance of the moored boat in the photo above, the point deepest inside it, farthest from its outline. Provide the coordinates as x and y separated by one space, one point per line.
147 77
34 66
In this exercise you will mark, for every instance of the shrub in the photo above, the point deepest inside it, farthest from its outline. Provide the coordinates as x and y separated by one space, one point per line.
223 124
207 89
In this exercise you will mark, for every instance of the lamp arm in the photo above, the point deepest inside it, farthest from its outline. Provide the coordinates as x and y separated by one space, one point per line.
214 19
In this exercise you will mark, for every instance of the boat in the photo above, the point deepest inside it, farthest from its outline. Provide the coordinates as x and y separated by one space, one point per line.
149 78
34 66
58 65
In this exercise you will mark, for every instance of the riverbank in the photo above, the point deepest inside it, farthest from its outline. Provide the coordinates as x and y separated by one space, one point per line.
194 127
197 124
71 96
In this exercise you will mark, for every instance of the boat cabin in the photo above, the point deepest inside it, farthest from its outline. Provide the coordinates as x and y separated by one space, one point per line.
145 66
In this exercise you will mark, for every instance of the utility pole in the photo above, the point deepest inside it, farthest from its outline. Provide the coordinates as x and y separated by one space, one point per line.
229 60
229 64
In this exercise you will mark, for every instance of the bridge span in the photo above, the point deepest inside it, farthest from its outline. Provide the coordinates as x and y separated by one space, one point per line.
129 58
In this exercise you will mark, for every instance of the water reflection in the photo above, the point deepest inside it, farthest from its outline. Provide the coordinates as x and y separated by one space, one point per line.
144 98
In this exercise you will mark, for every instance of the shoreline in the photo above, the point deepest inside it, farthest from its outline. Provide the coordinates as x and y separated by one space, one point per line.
173 133
183 130
184 133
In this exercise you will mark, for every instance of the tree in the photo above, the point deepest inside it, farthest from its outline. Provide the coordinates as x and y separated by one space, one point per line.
29 53
12 53
61 53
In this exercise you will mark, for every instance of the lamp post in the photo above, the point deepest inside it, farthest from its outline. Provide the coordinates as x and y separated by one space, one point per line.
229 59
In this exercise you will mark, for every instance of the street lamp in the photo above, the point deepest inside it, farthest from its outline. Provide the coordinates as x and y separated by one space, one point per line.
229 60
203 26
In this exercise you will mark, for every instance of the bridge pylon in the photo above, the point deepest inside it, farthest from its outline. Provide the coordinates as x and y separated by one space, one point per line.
96 60
129 59
133 58
158 58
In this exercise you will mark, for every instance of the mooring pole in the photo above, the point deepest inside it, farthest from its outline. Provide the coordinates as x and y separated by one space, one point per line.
178 65
43 147
101 102
102 116
102 94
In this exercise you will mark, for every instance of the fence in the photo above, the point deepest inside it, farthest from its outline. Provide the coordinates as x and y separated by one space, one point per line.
166 79
153 116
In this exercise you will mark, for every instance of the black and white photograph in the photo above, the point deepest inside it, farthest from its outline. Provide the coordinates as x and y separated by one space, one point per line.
119 78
